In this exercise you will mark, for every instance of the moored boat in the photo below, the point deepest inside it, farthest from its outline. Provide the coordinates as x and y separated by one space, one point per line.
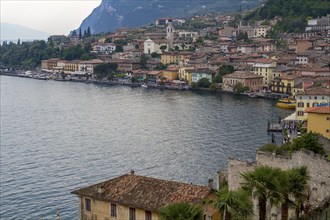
288 103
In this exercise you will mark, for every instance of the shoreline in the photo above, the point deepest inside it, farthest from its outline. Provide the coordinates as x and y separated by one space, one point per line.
270 96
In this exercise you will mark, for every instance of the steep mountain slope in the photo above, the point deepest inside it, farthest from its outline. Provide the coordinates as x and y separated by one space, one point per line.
112 14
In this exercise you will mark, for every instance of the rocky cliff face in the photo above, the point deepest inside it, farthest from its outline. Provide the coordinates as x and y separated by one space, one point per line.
112 14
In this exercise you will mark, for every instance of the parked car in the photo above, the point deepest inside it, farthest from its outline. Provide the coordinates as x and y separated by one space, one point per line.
298 133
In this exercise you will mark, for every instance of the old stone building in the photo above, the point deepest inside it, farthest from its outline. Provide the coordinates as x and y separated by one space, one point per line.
318 167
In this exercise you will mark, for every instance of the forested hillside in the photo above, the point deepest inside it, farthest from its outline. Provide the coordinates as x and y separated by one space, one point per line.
293 12
29 54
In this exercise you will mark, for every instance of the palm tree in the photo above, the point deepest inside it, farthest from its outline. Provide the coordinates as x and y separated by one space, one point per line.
181 211
264 184
233 204
300 190
294 185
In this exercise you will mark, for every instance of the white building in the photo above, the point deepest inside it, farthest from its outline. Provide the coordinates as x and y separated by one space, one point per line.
187 34
154 46
105 48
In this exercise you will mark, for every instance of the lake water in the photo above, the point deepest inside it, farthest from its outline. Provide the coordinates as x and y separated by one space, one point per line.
60 136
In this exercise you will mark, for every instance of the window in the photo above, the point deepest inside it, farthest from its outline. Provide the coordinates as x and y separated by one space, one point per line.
113 210
308 105
88 204
328 118
301 104
132 214
208 217
148 215
300 113
327 131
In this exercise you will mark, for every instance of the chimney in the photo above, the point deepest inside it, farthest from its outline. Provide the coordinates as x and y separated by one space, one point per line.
100 189
210 183
132 172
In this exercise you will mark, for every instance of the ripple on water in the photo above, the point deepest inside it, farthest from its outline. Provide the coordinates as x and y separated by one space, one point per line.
57 137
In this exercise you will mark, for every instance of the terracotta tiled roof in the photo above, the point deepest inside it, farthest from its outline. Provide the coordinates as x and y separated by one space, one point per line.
293 76
316 91
242 75
154 72
144 192
320 110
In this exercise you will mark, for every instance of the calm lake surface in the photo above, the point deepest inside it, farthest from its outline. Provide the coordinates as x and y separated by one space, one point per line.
60 136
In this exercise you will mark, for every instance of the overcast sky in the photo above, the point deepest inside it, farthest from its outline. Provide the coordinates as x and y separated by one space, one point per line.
51 16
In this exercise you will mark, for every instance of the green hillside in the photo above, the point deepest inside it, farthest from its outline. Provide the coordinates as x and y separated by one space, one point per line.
293 12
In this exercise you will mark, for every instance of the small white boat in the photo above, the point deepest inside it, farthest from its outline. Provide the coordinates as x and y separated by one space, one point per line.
144 86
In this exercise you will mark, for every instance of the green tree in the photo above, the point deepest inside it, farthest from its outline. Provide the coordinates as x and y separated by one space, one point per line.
294 189
223 70
72 53
242 36
204 83
88 32
300 189
194 85
154 55
200 41
108 40
119 48
309 141
163 48
239 88
160 67
74 33
143 61
233 204
181 211
264 184
120 42
293 13
105 69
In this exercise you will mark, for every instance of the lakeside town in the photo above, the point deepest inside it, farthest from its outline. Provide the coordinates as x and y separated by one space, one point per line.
223 58
219 57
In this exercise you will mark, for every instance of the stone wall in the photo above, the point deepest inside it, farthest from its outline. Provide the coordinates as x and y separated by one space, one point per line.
318 167
235 169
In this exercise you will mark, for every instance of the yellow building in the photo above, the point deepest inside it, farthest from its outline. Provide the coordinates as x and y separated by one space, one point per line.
171 73
185 73
313 97
265 67
318 120
174 58
72 66
133 197
288 82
